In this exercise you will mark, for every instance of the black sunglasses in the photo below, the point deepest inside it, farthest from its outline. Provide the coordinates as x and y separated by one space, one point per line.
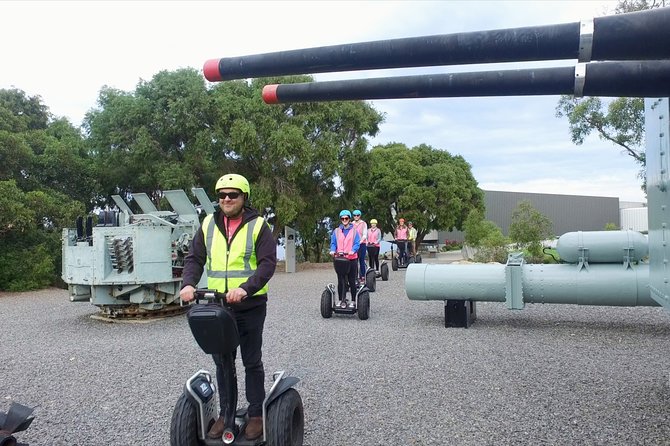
344 218
231 195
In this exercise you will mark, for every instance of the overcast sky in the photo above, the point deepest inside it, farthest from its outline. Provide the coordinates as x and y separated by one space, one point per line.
66 51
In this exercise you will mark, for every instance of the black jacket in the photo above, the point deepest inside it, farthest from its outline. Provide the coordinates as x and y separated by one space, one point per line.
266 259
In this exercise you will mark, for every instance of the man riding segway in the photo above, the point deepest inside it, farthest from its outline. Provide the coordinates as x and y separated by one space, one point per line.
236 246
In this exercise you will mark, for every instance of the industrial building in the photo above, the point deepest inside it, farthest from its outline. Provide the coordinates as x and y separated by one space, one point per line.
567 213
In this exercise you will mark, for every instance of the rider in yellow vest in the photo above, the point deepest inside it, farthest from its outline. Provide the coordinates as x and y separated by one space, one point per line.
236 247
412 233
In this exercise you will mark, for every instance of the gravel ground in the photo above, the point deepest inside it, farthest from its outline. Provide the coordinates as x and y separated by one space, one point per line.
550 374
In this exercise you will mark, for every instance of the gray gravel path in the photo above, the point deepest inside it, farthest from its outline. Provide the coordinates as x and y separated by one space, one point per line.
547 375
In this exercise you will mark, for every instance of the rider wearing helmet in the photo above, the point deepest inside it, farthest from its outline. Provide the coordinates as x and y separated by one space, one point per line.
344 244
234 231
411 237
401 236
374 239
362 229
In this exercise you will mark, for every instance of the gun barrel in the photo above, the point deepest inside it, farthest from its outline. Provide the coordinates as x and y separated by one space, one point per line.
616 38
630 79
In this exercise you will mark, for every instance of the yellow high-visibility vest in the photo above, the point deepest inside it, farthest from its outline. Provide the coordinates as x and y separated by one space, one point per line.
230 266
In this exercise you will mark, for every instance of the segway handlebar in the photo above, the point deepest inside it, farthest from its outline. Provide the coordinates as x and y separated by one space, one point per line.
209 295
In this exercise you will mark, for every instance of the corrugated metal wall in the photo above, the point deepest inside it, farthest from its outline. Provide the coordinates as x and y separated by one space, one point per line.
567 212
636 219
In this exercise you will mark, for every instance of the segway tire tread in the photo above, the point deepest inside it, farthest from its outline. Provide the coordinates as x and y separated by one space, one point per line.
326 304
286 420
364 306
184 424
384 272
371 281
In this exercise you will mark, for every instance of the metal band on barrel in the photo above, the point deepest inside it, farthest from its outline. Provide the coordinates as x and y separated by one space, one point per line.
580 79
585 40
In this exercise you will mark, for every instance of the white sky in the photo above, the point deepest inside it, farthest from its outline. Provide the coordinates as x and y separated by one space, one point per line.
66 51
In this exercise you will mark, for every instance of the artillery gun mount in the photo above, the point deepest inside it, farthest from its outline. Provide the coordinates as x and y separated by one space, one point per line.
130 265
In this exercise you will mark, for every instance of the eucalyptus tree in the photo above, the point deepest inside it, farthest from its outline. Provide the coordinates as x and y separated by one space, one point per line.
304 160
155 138
430 187
177 131
619 121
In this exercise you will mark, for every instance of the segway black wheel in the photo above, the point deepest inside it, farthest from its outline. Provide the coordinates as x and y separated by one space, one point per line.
184 424
286 420
410 260
326 304
394 264
363 305
418 259
384 269
371 280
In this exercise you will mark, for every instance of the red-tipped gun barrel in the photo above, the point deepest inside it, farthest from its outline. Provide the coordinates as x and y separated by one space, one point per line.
614 38
631 79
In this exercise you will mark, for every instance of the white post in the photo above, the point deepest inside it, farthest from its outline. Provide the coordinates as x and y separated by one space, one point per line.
289 248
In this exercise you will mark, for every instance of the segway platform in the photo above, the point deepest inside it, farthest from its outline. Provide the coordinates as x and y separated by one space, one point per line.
330 303
395 261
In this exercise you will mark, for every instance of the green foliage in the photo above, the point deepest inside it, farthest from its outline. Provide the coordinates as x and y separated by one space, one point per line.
451 245
15 216
20 113
529 228
173 132
475 227
621 122
30 230
430 187
156 138
493 246
46 180
611 227
487 237
24 268
550 255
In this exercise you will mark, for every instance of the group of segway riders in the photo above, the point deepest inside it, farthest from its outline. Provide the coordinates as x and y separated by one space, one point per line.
349 243
348 246
405 239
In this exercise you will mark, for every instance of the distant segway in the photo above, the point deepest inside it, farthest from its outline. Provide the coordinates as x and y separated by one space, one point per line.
383 274
397 262
330 300
371 280
215 330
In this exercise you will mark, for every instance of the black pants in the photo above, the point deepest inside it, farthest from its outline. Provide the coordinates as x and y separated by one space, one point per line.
373 253
250 326
361 260
402 251
347 272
